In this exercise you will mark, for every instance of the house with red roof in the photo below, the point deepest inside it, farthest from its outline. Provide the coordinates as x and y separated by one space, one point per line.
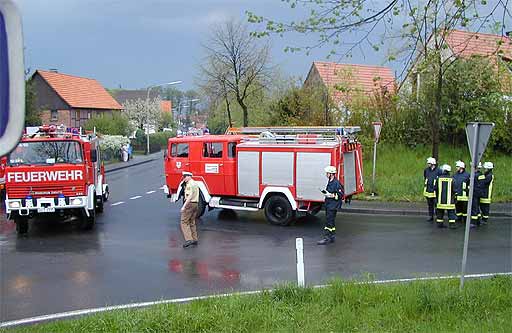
344 81
70 100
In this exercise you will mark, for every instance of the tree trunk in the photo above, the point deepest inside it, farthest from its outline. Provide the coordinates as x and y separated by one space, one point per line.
437 111
228 110
244 112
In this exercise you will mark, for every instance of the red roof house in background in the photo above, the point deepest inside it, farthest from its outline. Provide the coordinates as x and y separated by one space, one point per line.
343 81
70 100
166 106
466 44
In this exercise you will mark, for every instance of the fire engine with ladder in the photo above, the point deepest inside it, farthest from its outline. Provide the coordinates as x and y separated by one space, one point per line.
55 171
277 169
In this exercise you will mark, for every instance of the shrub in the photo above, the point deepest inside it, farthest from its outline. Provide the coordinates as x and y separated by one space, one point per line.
111 146
117 124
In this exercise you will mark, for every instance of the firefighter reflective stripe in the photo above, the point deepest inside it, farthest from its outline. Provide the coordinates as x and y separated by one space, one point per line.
451 221
488 198
444 193
330 229
464 195
439 220
426 193
481 177
459 214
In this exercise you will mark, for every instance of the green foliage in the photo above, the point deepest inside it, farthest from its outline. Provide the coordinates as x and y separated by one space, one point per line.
160 138
117 124
485 305
167 120
32 115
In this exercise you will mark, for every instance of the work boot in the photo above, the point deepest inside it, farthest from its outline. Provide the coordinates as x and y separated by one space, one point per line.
333 238
195 242
430 219
453 226
188 243
484 222
326 240
440 225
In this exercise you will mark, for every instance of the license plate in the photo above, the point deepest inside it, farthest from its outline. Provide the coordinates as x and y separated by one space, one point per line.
46 210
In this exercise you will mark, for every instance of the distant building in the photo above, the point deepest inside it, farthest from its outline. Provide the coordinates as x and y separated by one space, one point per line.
122 96
344 81
70 100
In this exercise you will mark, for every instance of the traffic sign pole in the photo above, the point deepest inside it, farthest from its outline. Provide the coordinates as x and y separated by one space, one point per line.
377 126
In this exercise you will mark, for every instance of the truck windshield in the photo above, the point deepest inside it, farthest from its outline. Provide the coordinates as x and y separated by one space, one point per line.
46 152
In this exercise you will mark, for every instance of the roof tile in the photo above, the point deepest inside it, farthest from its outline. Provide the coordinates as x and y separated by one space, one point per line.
466 44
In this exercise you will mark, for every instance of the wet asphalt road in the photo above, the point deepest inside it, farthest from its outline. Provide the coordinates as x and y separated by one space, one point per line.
134 254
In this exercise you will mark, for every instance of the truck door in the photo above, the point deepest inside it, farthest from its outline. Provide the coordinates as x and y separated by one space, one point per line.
177 163
230 169
213 166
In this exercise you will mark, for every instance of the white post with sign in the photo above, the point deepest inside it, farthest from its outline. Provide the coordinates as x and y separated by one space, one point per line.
377 126
477 134
299 246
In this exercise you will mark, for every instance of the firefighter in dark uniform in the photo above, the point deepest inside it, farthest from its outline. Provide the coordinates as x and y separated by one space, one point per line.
333 200
485 189
475 203
461 186
445 195
430 175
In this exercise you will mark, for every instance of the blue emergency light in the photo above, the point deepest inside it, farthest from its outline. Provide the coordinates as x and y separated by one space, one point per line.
12 82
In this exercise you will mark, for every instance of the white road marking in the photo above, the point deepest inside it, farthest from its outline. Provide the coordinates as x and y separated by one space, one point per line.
136 197
75 313
149 192
117 203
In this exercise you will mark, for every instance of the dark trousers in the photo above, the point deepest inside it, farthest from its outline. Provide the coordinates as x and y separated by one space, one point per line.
449 212
431 206
485 208
475 209
330 222
461 209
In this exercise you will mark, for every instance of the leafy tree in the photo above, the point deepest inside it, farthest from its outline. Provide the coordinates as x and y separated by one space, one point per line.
32 115
117 124
166 120
143 111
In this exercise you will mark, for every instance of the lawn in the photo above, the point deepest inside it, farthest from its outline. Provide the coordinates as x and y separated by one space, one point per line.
399 174
421 306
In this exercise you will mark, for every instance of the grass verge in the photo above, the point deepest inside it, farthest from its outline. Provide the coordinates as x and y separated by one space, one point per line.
399 173
422 306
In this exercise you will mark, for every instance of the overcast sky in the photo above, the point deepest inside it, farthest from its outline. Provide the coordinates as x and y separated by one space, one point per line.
136 43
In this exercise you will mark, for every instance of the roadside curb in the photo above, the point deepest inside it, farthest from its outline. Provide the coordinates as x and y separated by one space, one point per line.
402 212
130 165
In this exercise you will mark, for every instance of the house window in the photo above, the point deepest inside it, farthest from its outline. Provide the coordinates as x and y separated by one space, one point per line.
213 149
54 115
179 150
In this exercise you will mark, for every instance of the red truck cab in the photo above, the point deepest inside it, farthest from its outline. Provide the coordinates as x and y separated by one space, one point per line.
55 172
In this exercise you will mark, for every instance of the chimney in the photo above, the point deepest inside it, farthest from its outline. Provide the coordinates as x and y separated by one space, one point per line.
54 70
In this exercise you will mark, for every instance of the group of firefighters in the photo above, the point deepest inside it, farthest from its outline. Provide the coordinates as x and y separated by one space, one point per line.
450 194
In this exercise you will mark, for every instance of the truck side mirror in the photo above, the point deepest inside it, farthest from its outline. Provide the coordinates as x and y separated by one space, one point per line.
94 156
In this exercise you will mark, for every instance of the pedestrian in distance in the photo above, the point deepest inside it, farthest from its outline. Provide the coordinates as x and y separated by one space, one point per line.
485 190
430 175
333 200
461 186
445 197
189 210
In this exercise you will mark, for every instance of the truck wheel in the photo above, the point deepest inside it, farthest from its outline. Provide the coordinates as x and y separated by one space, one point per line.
201 206
106 194
21 225
278 211
87 222
99 203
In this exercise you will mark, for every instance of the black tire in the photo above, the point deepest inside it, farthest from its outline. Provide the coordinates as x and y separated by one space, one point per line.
278 211
21 225
99 204
106 194
201 206
87 222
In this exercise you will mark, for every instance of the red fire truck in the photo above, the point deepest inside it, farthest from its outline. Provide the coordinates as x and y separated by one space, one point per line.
278 169
55 171
3 164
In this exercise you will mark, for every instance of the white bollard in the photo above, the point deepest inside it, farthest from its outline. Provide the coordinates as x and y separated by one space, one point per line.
300 262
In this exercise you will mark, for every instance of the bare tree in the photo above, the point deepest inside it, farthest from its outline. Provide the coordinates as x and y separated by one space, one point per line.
237 65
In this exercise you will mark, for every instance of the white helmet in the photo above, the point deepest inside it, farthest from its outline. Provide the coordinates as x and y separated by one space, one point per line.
479 165
431 160
488 165
460 164
330 169
446 167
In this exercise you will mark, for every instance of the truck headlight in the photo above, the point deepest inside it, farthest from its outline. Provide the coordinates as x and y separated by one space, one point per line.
76 201
14 204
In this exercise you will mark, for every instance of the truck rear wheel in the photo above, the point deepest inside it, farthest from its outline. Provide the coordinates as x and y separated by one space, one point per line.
99 203
21 225
278 211
106 194
201 206
87 222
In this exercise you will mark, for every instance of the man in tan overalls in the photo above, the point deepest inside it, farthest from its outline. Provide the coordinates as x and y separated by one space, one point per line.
189 210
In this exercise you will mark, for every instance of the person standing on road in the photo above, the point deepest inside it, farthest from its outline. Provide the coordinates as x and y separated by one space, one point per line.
430 175
189 210
461 186
485 190
445 195
333 200
475 203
